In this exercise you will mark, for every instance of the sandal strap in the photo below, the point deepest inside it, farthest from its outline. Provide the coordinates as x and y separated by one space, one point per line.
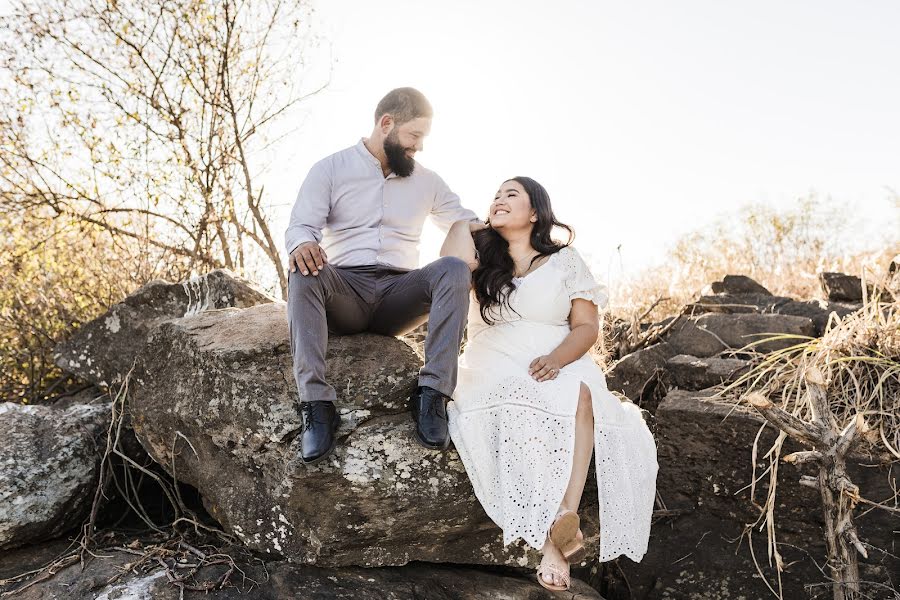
552 569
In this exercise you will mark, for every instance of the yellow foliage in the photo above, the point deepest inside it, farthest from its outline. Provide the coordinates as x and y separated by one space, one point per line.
56 275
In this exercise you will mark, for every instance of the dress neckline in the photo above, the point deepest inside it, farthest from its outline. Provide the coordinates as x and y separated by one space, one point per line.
532 272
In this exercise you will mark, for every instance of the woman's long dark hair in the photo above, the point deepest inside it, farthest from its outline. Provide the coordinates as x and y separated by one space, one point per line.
492 279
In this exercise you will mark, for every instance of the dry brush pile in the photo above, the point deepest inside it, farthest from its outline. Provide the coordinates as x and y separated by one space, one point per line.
838 395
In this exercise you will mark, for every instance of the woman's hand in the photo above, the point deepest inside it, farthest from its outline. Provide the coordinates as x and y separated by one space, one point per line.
477 226
544 368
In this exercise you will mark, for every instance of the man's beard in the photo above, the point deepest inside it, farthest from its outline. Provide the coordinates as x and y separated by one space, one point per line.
398 162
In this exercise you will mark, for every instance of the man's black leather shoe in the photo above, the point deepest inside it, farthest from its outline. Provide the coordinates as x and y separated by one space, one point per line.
429 411
320 421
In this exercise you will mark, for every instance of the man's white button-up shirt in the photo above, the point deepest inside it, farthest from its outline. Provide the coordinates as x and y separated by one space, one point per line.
361 217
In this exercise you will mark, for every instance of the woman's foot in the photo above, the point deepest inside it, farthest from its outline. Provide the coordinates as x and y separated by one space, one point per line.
554 569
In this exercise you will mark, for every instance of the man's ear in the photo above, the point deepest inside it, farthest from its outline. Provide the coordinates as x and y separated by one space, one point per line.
386 123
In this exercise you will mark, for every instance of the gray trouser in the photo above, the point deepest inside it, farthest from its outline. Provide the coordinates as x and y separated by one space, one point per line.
378 299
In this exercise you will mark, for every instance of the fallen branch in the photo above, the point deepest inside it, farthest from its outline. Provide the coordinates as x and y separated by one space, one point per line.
838 493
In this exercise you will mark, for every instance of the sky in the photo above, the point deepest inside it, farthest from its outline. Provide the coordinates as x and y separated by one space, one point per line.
644 120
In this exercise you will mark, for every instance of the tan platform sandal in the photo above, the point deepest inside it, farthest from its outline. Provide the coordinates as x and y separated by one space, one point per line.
551 569
576 551
566 535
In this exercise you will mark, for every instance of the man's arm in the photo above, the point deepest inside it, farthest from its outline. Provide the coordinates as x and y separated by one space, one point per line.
308 218
447 209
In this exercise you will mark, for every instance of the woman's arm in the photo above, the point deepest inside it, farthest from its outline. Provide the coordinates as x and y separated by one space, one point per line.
584 327
459 242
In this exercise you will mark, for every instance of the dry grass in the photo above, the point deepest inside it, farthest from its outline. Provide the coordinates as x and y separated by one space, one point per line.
860 356
783 249
859 359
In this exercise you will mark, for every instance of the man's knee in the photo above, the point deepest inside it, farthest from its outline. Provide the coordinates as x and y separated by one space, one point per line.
455 272
300 285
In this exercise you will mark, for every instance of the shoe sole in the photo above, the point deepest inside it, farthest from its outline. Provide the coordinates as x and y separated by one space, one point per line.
422 442
321 458
576 555
564 531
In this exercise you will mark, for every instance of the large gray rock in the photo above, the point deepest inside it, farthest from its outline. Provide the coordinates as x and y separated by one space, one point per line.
818 311
103 350
113 575
632 372
705 470
214 403
738 284
693 373
49 464
738 303
711 333
841 287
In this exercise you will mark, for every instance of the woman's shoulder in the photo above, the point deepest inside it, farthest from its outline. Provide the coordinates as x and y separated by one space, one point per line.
568 256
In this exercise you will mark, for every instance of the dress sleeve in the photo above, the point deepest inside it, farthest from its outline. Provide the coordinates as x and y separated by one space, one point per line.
579 281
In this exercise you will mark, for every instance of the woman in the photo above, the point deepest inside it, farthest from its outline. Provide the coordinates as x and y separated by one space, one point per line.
530 406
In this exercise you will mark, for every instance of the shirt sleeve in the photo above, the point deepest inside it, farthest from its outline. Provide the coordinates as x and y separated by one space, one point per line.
446 209
311 208
580 282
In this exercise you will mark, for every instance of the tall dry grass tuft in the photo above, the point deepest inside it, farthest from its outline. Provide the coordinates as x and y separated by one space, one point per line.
840 396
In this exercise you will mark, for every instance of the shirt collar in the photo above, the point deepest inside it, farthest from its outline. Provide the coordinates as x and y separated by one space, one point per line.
361 146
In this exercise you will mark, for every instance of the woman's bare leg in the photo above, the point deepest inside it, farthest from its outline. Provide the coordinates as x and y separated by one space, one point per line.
584 451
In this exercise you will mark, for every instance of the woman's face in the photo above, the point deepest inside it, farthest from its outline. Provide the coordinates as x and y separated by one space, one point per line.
511 208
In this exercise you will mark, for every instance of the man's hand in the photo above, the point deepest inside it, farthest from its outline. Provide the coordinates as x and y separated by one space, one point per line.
307 257
544 368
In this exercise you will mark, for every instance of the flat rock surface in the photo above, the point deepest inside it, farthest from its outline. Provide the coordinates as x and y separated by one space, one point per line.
103 350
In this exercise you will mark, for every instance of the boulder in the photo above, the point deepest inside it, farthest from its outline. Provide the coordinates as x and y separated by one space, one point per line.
49 464
711 333
631 373
113 574
693 373
700 550
840 287
738 303
738 284
214 402
103 350
818 311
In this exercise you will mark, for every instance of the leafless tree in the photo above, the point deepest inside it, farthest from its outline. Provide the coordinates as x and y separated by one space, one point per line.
149 119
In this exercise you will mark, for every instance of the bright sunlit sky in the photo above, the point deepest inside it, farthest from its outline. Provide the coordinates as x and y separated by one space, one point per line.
643 120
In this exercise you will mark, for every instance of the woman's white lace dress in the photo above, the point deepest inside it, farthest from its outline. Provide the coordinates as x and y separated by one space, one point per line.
516 436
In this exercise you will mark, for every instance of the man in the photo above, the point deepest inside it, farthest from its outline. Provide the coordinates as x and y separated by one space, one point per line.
353 243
